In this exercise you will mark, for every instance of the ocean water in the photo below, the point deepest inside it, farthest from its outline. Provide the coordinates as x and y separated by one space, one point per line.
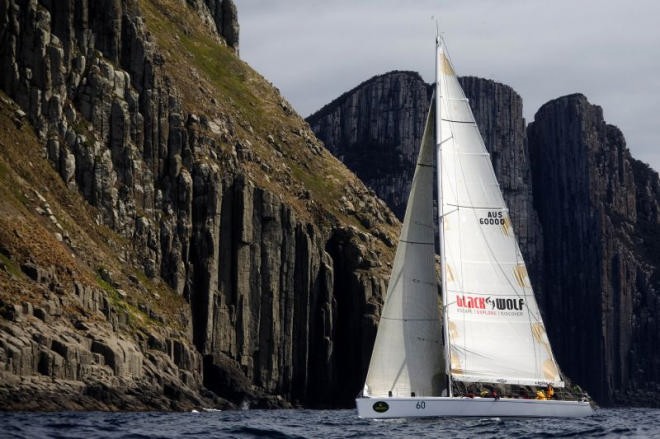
325 424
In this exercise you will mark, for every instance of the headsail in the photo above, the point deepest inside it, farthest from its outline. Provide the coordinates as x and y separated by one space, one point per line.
408 355
494 325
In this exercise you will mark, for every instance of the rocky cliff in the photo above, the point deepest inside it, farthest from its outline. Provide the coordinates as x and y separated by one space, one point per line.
381 119
599 211
167 240
584 211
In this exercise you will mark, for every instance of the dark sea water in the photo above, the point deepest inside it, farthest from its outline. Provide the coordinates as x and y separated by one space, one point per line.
325 424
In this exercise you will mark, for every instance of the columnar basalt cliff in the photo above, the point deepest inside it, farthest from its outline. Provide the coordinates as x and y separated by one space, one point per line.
584 211
599 211
219 262
381 119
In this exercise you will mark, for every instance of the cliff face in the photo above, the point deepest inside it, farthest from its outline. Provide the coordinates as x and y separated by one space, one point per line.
381 119
585 214
79 327
376 129
599 250
205 181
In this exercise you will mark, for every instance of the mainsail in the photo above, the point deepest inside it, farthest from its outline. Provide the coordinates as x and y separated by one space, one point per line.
407 357
495 329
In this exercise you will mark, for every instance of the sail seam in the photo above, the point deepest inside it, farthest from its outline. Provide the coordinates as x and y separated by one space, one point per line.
409 320
475 293
482 154
465 206
459 121
417 242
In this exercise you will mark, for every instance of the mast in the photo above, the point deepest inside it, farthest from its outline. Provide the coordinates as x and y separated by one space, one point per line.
439 58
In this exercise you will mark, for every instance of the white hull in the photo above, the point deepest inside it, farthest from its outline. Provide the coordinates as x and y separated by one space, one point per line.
469 407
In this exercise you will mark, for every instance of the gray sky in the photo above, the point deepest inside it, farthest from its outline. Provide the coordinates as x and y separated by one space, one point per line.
609 50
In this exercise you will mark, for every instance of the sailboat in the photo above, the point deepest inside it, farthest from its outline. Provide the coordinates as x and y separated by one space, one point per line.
488 332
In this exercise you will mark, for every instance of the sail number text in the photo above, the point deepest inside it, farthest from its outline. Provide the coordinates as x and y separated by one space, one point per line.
494 218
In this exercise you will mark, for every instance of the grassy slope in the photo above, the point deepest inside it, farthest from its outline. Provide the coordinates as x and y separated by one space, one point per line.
29 236
215 82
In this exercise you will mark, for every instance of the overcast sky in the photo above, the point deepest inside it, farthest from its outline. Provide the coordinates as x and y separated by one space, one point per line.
609 50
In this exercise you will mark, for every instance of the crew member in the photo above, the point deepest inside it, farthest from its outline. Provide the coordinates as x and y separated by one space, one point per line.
549 392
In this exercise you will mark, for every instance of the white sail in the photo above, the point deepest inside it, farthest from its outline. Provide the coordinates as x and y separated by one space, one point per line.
495 329
492 325
407 358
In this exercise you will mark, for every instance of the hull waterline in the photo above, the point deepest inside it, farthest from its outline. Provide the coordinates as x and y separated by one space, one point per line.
375 408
